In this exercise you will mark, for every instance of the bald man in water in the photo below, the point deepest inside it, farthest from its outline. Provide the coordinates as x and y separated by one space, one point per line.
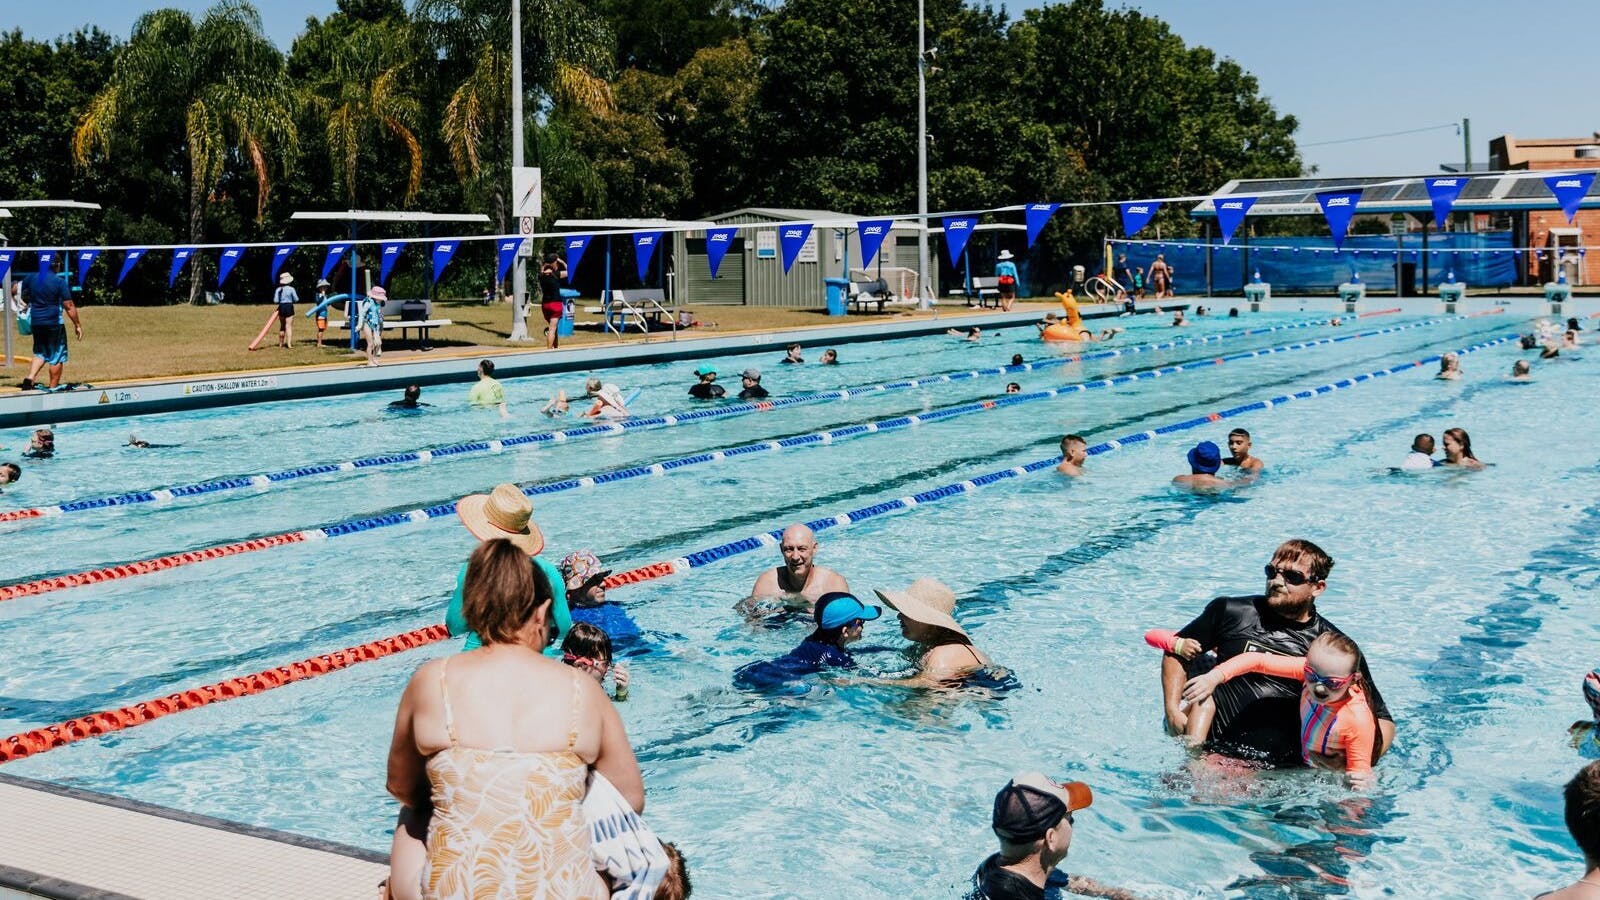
799 575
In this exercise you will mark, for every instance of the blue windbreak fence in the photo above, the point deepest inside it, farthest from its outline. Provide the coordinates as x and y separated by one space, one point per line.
1310 264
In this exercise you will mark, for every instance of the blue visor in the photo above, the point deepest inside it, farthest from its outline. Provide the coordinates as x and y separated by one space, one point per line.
837 609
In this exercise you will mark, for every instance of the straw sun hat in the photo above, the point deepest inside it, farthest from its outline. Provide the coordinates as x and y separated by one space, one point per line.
928 601
505 513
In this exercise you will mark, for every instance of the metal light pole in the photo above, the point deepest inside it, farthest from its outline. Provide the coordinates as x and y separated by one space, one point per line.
926 298
519 280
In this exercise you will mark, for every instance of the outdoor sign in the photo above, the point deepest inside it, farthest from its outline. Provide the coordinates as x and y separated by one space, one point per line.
527 191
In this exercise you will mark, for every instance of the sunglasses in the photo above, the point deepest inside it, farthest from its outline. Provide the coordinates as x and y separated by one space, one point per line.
1330 682
1290 576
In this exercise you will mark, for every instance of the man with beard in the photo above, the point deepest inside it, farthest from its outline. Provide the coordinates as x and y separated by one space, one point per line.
1257 717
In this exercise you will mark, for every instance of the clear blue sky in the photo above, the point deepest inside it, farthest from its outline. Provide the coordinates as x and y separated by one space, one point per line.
1346 69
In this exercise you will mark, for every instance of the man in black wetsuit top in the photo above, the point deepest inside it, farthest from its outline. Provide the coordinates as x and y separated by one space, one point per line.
1258 716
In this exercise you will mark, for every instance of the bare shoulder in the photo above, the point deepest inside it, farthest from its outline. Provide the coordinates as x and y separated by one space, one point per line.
766 583
832 580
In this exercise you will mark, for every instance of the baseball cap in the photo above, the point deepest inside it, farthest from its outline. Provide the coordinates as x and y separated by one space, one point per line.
1031 804
1205 458
705 370
836 609
752 374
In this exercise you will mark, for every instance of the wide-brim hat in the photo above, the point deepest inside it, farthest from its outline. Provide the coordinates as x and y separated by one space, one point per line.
378 293
285 278
504 512
324 283
1205 457
1006 254
928 601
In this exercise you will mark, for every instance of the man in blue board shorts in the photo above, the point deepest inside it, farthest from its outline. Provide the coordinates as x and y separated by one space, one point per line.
47 296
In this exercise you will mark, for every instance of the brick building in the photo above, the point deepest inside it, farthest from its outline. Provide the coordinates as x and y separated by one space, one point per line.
1548 228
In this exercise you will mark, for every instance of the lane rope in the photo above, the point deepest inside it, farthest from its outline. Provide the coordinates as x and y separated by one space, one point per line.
38 740
635 423
70 580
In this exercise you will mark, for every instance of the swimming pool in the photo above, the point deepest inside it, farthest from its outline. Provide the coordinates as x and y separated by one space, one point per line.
1468 594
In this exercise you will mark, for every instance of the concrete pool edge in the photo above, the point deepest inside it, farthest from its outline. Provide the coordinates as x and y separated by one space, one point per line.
145 397
231 845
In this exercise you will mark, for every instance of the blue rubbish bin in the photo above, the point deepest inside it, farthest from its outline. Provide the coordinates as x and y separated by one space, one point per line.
564 324
836 295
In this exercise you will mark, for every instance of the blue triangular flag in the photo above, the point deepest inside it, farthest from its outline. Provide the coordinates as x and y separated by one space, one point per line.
1230 212
389 251
328 262
1137 214
957 231
644 249
230 258
506 251
442 252
6 256
1570 191
718 240
576 244
280 254
86 259
180 256
1338 207
1443 192
791 238
128 259
872 233
1037 216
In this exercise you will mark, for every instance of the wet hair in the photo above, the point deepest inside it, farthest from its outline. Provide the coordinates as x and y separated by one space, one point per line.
14 469
1013 388
1233 312
1461 438
1528 342
588 640
1072 439
1240 432
413 392
502 591
1583 810
1338 640
1521 367
1423 440
593 385
792 347
486 367
1318 562
1016 359
675 886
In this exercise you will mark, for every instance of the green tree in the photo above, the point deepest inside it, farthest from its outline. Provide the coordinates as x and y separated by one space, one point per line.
216 88
661 36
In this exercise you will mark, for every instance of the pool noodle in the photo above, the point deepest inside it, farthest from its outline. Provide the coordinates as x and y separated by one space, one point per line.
325 304
264 329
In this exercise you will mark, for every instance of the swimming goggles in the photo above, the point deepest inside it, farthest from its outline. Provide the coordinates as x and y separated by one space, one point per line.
1332 683
585 662
1290 576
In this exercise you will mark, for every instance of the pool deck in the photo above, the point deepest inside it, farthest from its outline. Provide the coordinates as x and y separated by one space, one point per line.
78 845
144 397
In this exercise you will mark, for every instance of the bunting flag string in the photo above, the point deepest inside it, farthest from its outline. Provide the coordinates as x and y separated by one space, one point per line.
128 259
718 240
957 231
872 232
86 259
644 250
1230 212
443 251
389 252
230 258
576 244
180 257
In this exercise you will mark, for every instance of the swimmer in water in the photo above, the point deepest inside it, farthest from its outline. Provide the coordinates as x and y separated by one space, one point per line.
1074 452
799 577
1336 322
1204 461
1178 321
1335 717
830 357
1521 371
1013 388
1449 367
587 648
138 443
1458 449
970 336
1016 359
9 473
1569 340
1588 729
944 649
1420 459
1239 447
411 398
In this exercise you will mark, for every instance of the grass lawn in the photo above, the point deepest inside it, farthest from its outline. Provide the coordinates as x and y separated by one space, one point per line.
133 342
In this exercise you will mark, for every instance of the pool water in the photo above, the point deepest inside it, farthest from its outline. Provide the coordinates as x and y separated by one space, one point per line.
1470 594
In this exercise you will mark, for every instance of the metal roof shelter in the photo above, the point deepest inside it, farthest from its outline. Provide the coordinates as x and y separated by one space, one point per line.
1486 192
609 228
357 216
5 285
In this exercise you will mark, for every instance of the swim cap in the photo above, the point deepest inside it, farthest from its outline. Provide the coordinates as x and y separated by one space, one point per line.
705 370
1591 693
1205 458
836 609
1032 804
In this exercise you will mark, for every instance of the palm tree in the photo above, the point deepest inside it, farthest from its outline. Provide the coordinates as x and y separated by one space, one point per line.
365 89
565 49
218 88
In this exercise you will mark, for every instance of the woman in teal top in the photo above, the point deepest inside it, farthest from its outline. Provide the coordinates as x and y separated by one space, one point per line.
507 513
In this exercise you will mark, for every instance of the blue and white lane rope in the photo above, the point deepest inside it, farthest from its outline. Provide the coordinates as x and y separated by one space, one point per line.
636 423
54 583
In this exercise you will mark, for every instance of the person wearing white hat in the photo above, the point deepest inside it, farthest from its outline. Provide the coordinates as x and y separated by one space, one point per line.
1006 277
286 298
926 620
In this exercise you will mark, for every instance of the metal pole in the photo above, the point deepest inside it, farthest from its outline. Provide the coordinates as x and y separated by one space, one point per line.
519 278
5 303
927 298
1466 145
352 306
